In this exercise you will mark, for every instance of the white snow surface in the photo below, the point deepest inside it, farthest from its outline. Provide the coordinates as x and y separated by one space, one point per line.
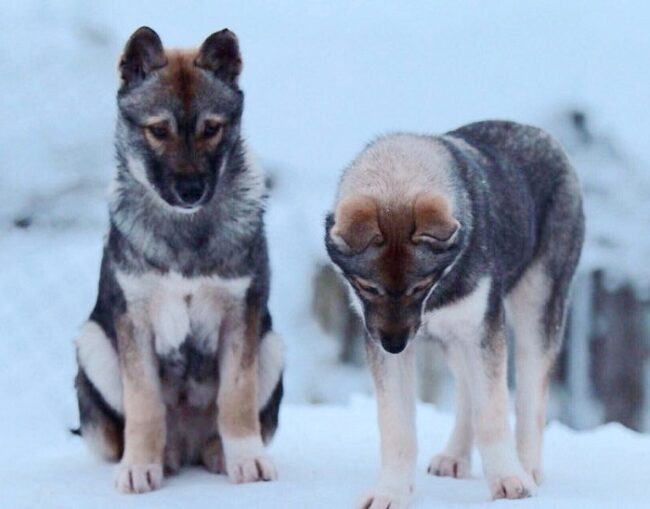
327 457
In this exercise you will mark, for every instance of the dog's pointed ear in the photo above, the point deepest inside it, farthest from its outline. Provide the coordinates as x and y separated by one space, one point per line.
356 225
220 55
142 55
434 221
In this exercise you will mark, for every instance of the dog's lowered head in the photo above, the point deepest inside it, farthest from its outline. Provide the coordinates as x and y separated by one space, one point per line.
392 254
179 115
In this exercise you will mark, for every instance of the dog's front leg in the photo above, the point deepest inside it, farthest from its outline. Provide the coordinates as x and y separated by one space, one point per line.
486 369
141 468
238 421
394 377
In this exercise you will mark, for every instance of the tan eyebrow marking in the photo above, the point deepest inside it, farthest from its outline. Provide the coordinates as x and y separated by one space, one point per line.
161 117
210 117
214 117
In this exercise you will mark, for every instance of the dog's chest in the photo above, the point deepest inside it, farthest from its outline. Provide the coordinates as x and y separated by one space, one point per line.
183 311
461 320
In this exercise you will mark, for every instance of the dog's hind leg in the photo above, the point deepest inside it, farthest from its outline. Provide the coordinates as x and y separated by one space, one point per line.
537 309
534 357
270 388
99 393
100 427
455 458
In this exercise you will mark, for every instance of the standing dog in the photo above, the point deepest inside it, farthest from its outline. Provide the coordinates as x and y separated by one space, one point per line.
443 236
178 363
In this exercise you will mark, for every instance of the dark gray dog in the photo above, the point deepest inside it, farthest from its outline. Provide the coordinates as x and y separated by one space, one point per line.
444 236
178 363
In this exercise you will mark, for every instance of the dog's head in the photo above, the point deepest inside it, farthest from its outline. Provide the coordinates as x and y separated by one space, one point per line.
392 256
179 115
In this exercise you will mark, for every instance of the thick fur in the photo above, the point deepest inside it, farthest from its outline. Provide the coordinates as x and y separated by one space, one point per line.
450 232
178 362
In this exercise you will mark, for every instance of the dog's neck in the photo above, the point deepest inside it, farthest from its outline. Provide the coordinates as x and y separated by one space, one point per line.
158 232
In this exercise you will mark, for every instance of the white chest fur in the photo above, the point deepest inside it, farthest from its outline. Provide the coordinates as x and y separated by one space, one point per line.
174 306
461 320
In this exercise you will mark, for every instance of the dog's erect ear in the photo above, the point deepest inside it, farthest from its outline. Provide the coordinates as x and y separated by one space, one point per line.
356 224
220 54
142 55
434 222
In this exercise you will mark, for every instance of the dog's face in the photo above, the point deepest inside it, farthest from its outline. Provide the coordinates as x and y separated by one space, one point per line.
179 115
392 257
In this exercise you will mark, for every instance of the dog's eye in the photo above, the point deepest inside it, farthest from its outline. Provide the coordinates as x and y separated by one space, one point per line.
159 131
420 286
367 287
212 129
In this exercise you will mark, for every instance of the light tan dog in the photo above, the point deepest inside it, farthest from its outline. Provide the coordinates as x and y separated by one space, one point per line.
439 237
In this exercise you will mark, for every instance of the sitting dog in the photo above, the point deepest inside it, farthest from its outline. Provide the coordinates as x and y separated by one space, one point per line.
443 237
178 363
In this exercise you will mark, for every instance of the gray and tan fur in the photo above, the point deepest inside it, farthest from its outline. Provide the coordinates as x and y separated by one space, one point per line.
443 237
178 362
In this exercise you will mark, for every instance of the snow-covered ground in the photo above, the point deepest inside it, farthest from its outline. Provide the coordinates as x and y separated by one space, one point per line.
321 79
331 460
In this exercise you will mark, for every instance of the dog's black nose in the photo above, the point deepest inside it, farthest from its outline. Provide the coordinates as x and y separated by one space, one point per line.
394 342
190 189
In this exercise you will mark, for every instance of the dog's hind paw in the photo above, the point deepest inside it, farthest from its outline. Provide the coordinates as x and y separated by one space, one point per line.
381 498
513 487
212 458
138 478
448 466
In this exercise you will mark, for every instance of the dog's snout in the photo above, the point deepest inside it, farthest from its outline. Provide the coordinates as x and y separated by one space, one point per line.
190 189
394 342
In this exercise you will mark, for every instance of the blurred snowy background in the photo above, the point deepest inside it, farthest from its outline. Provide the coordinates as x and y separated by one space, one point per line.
321 79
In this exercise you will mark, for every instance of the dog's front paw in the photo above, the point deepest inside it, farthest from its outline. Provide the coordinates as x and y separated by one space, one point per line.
447 466
536 473
138 478
258 468
247 461
513 487
387 498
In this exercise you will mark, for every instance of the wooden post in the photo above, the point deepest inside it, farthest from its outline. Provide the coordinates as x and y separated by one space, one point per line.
580 406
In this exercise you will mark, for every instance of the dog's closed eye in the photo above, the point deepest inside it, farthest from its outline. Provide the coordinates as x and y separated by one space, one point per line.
420 286
367 287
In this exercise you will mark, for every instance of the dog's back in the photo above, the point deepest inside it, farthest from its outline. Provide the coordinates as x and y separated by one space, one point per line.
532 191
510 185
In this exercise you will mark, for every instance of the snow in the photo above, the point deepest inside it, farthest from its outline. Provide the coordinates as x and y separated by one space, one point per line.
331 461
321 79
